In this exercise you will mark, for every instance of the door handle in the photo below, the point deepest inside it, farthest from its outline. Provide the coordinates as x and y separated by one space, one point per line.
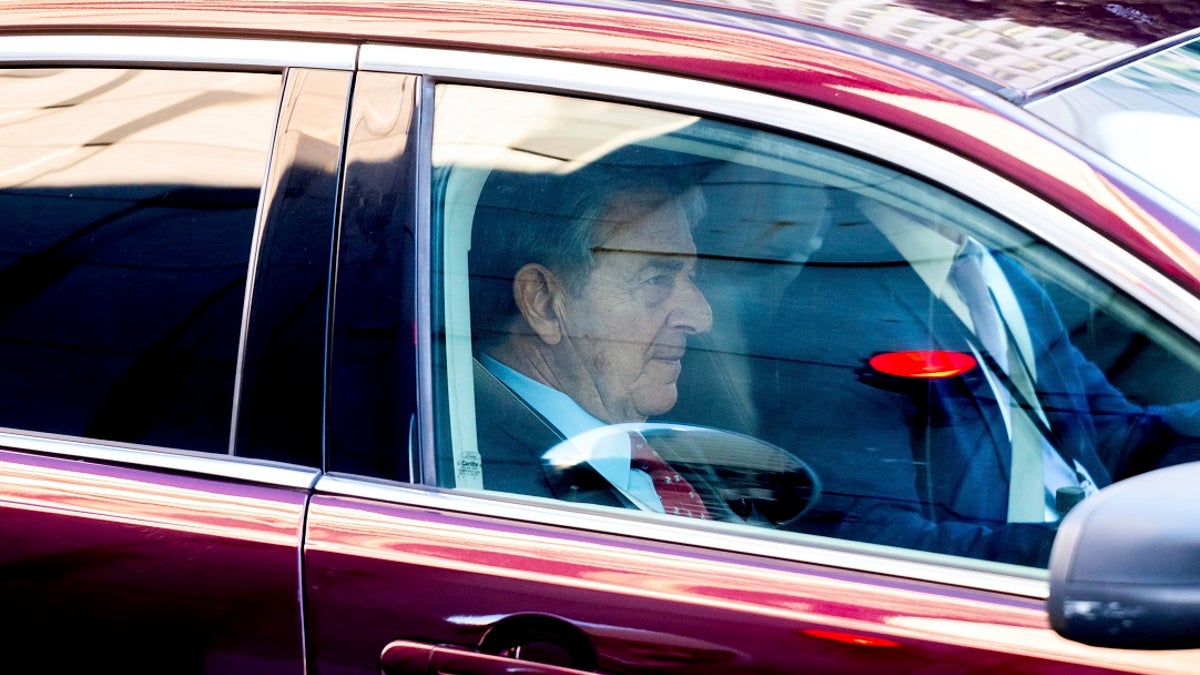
402 657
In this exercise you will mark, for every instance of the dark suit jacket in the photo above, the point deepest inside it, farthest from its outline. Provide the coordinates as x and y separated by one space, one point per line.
513 437
925 464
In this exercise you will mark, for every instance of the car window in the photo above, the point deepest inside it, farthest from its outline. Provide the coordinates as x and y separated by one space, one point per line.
804 339
128 201
1142 116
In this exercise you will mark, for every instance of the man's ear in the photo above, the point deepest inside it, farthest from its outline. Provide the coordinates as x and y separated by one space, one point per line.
538 294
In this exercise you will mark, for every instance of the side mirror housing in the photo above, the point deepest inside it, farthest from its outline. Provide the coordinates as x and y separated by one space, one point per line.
1125 567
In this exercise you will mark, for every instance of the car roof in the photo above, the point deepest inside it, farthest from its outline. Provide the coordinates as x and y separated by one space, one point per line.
1019 49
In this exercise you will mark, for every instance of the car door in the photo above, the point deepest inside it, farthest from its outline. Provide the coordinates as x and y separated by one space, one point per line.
141 178
463 529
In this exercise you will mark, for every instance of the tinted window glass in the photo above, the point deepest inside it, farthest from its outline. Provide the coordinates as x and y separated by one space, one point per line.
952 385
128 201
281 393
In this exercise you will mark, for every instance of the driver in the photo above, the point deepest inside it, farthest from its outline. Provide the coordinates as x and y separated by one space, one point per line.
583 301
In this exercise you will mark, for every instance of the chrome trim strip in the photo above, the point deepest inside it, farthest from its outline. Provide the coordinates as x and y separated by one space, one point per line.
730 537
1043 220
123 49
144 456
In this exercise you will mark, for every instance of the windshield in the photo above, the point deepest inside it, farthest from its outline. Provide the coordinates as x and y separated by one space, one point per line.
1145 116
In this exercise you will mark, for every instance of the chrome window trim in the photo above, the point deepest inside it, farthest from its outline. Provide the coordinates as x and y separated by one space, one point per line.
1037 216
730 537
151 50
211 465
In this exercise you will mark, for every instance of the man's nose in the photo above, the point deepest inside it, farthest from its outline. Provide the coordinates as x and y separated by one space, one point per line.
692 313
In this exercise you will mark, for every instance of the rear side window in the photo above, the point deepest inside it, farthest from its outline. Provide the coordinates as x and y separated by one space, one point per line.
127 207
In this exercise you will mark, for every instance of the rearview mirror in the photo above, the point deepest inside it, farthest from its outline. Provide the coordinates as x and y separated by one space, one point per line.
1125 567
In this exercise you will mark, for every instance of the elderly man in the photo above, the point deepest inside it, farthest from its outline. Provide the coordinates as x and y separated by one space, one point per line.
583 300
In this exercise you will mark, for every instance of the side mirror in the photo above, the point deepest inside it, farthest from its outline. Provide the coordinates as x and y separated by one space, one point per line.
760 482
1125 567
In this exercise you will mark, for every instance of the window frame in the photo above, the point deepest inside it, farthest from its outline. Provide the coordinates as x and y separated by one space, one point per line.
938 166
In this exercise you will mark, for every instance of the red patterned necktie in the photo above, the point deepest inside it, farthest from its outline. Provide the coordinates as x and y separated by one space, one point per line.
678 496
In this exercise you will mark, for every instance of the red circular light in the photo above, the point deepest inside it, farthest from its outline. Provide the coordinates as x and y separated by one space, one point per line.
923 364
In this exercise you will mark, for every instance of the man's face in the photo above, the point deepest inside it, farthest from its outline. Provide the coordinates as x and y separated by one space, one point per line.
626 329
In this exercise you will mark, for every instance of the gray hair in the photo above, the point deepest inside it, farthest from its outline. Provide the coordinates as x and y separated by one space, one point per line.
557 221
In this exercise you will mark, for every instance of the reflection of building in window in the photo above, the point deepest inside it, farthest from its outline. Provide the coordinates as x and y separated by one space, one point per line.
1020 43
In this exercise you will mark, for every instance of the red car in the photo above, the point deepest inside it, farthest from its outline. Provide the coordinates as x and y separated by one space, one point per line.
403 337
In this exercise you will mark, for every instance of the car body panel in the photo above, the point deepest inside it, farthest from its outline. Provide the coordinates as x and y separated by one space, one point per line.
147 567
381 571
